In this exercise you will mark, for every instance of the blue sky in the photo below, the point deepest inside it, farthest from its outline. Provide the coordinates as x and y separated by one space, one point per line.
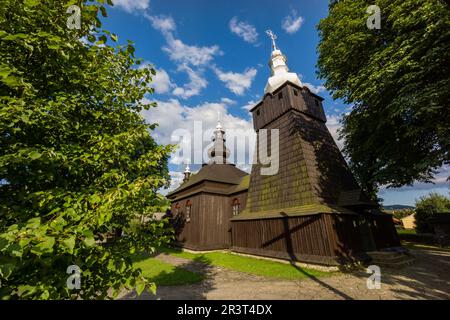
211 56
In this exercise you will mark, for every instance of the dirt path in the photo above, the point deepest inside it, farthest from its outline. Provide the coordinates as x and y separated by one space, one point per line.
427 278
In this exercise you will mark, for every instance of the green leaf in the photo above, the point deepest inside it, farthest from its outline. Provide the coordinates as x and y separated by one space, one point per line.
103 11
6 269
26 290
69 244
25 118
34 155
140 286
102 39
44 247
32 3
15 250
89 242
95 198
33 223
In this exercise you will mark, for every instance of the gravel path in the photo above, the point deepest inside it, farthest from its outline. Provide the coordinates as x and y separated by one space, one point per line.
427 278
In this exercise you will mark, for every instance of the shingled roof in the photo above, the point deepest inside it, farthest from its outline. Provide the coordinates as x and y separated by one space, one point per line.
224 173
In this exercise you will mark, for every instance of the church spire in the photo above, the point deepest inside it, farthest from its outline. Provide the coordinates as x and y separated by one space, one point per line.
279 71
273 37
187 172
218 152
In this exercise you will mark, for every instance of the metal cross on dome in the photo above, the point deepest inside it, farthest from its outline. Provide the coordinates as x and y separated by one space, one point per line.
272 36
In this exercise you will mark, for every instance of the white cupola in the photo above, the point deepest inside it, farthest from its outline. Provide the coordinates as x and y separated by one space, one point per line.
279 71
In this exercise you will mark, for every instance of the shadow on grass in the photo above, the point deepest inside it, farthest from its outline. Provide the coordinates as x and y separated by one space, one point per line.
176 277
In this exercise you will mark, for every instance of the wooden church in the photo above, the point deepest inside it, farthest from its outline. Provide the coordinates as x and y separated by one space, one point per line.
312 210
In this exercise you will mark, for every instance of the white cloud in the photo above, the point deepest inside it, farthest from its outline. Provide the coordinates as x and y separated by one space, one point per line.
244 30
237 82
176 178
194 86
162 23
188 54
249 105
228 101
177 50
333 125
292 22
315 89
172 115
189 58
132 5
161 82
439 181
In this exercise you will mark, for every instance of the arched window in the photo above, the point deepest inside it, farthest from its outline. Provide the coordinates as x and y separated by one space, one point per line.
188 210
235 206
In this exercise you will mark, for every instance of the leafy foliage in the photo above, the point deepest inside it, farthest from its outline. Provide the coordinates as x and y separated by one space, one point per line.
397 79
426 207
77 162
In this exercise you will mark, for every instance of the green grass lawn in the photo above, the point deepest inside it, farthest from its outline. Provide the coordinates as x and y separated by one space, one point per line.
410 239
405 231
422 246
165 274
250 265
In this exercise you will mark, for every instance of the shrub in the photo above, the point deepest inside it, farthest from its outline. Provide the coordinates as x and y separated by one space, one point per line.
428 206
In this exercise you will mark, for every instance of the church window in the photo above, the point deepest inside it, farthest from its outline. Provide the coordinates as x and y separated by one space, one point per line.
188 210
235 206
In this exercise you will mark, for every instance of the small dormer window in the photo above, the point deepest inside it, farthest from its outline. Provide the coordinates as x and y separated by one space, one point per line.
235 206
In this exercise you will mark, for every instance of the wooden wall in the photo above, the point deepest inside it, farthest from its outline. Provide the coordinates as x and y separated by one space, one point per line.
329 239
283 99
384 232
322 238
242 198
209 227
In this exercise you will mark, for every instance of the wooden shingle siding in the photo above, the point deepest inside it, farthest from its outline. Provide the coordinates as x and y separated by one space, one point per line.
312 170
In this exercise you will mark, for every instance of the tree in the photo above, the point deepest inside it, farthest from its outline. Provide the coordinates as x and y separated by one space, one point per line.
77 162
397 79
426 207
